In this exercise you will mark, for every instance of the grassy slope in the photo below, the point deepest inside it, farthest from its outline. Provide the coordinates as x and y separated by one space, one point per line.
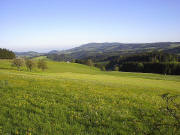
71 98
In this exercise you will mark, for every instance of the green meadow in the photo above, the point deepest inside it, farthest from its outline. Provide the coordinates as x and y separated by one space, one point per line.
75 99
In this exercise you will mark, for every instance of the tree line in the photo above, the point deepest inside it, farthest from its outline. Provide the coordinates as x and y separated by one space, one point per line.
6 54
146 57
29 63
149 67
147 62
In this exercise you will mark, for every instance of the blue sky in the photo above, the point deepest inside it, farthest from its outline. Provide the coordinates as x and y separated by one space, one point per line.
42 25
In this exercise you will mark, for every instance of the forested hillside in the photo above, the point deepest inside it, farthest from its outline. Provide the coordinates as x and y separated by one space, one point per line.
6 54
103 51
157 62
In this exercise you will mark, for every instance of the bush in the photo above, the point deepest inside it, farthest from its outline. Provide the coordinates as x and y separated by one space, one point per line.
42 64
18 63
30 64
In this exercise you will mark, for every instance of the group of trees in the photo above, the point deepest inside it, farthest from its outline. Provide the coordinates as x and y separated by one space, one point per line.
149 67
147 62
29 63
6 54
146 57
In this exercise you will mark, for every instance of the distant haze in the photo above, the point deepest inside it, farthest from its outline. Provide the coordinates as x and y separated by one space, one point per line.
44 25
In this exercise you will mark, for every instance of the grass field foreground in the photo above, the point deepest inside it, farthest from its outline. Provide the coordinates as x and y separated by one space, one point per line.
70 98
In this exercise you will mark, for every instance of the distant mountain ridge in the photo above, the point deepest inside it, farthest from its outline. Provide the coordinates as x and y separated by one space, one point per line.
110 49
98 49
105 47
29 54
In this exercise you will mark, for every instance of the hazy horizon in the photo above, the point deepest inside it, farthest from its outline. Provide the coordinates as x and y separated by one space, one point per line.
46 25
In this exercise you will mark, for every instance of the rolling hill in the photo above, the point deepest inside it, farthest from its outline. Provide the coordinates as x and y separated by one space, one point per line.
112 49
70 98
